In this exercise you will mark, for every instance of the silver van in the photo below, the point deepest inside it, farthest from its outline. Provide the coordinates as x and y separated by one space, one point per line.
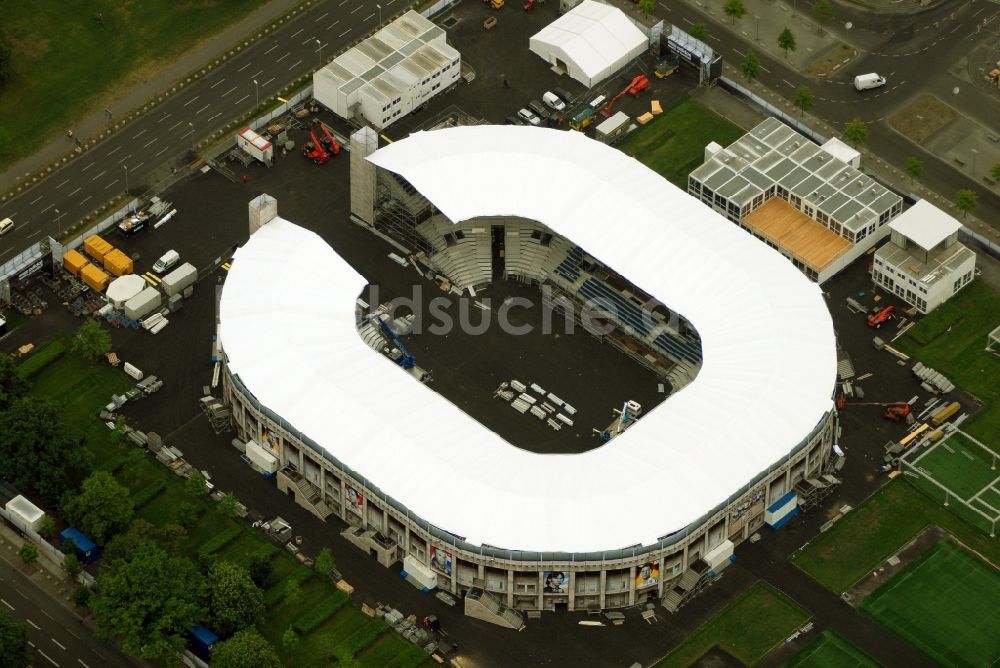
165 263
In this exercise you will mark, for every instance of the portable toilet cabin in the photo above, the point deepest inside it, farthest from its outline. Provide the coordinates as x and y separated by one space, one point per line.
86 550
201 640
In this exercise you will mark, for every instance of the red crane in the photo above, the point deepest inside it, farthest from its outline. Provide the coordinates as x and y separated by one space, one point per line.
315 150
329 142
638 84
894 410
877 318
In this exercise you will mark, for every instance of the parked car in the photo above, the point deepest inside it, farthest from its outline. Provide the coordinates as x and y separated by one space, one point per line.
166 262
6 225
512 120
529 117
563 95
540 109
554 101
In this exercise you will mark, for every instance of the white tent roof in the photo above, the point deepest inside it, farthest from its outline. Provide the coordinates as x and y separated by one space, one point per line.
840 150
925 225
593 35
125 287
766 381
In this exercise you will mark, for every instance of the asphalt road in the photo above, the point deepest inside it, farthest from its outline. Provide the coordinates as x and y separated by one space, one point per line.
57 637
913 52
126 160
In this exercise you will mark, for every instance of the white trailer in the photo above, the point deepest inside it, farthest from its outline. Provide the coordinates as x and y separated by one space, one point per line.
24 514
256 146
261 458
418 574
143 303
180 278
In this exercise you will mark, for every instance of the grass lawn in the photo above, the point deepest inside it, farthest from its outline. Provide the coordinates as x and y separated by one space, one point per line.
64 64
674 143
879 527
944 604
959 354
959 465
748 628
831 651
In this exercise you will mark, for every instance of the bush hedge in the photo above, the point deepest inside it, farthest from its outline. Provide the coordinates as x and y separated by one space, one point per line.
320 613
219 540
148 493
43 357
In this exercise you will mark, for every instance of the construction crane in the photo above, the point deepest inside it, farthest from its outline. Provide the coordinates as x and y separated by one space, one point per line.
624 419
877 318
639 84
406 359
894 410
315 150
329 142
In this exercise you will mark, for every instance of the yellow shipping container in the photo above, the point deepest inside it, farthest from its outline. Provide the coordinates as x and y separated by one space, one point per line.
94 277
74 261
118 263
96 247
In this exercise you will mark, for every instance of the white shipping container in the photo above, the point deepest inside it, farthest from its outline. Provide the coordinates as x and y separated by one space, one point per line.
538 388
518 386
132 371
255 145
143 303
419 574
24 513
261 457
180 278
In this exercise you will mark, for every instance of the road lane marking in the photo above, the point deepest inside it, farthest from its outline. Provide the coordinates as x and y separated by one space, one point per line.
99 175
139 135
369 17
83 664
242 98
342 3
330 27
201 110
34 234
191 100
282 58
307 41
174 125
87 167
62 184
297 33
128 156
47 208
151 141
59 644
162 150
217 82
244 67
257 74
71 194
355 9
112 183
117 148
272 78
789 83
229 91
165 117
50 659
210 120
344 33
33 625
138 166
35 200
84 200
67 630
322 16
297 63
765 69
271 49
21 594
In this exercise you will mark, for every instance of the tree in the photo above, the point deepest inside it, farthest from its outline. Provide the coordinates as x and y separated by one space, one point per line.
324 562
227 506
38 450
148 601
647 6
822 12
12 386
246 649
72 566
914 168
293 592
803 99
234 601
186 514
966 201
734 9
995 172
856 132
47 527
29 554
750 66
102 508
786 40
170 536
289 640
699 31
81 596
260 568
13 641
92 341
196 485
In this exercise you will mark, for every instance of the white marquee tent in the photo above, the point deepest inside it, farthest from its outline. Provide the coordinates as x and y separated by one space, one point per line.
590 42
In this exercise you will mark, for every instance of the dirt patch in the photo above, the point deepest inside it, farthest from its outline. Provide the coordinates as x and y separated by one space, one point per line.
28 50
717 658
831 61
924 541
922 118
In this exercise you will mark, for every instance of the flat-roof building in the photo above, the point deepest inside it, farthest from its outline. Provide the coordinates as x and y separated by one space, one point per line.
774 161
924 263
389 74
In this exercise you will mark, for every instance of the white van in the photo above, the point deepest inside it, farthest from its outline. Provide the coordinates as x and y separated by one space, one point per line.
164 264
553 101
866 81
6 225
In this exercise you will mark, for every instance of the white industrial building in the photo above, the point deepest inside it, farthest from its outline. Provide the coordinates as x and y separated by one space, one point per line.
456 500
924 263
389 74
809 202
590 42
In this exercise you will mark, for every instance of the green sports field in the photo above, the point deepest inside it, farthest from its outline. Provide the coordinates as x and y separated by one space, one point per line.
944 604
960 465
831 651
